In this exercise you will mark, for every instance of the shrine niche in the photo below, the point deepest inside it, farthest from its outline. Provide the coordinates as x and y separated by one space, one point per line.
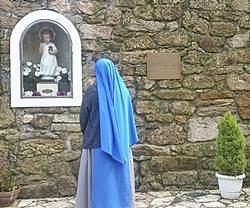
45 61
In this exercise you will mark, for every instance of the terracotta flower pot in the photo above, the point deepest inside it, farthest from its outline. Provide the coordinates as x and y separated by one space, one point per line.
8 198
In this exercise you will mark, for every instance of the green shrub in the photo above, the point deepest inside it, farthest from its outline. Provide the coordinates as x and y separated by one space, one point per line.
7 181
230 147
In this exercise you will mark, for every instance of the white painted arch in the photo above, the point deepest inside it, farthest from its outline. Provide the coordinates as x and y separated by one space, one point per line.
16 36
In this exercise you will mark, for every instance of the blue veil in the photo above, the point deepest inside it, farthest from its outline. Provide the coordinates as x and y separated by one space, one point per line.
117 124
111 163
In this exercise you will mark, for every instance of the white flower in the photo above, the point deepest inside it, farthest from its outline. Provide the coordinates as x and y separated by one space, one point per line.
28 93
69 78
64 70
28 63
37 74
28 69
57 73
34 66
59 69
68 93
58 78
25 73
38 65
69 73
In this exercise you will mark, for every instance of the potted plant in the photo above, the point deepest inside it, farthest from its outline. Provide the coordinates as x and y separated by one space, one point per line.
230 158
9 188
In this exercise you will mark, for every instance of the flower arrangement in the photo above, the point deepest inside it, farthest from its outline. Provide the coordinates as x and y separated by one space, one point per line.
32 74
63 78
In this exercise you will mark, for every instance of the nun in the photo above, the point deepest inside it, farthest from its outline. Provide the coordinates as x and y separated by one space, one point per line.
106 174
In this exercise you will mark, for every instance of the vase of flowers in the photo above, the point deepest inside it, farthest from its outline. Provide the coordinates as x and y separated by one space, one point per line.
63 78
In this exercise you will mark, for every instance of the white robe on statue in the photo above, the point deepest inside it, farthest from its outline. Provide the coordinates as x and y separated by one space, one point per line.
48 63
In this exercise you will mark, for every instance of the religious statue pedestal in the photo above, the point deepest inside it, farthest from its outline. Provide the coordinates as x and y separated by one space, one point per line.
47 88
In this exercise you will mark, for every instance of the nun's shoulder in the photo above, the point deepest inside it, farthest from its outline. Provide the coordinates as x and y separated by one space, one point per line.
92 89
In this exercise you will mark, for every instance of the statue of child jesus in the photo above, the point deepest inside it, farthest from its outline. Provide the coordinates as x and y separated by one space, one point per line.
48 63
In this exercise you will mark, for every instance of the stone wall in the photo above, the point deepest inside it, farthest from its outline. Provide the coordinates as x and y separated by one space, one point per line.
176 119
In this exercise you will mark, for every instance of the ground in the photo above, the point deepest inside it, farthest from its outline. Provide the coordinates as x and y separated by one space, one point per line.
169 199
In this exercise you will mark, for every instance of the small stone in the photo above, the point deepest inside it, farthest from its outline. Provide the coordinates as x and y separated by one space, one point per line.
62 6
172 26
172 134
174 94
198 81
163 118
140 42
7 118
198 149
238 205
238 82
113 16
142 25
27 119
88 7
241 5
192 22
211 95
179 178
146 107
37 147
214 110
95 31
167 12
66 118
239 40
182 108
202 129
66 185
169 84
145 83
243 102
63 127
223 29
147 149
208 4
211 44
207 198
177 40
188 204
161 202
42 121
6 5
214 205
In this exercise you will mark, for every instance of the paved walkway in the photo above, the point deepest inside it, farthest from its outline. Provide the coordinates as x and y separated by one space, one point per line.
193 199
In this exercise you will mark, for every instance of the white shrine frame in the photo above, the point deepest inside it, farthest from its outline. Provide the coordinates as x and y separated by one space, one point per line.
16 99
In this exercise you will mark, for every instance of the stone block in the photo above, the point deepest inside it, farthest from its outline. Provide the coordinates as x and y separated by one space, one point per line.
181 108
174 94
66 118
65 127
95 31
202 129
223 29
171 134
243 102
42 121
179 178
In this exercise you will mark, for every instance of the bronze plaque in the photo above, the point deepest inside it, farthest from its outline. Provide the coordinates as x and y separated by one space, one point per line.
163 65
